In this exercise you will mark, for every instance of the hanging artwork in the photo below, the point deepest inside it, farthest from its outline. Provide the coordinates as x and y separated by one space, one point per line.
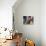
28 19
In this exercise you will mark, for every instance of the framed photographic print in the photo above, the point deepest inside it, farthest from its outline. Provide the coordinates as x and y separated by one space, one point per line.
28 20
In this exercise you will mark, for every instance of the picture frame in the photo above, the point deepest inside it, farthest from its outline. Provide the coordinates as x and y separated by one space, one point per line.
28 20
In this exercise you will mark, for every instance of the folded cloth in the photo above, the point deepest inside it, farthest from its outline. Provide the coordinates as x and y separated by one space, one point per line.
2 40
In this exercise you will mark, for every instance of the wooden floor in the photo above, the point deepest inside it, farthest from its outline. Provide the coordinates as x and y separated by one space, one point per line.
9 43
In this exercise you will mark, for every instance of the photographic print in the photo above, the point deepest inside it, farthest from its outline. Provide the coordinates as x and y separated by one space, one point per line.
28 19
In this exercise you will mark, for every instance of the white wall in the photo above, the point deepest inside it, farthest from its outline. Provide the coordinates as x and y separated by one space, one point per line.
29 8
6 13
43 22
6 18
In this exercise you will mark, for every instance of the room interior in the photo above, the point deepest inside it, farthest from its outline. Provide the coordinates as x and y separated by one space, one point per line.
14 29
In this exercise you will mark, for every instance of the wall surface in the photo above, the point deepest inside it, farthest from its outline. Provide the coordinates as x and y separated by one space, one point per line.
6 13
29 8
6 18
43 22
